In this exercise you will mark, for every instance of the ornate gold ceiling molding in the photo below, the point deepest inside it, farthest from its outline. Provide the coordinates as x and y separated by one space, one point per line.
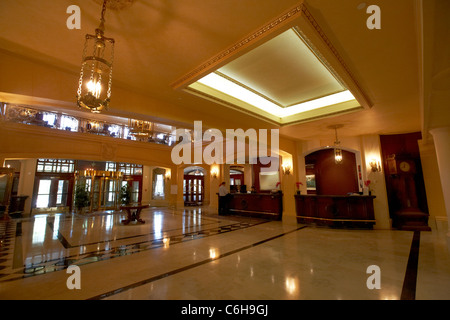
245 43
300 19
336 54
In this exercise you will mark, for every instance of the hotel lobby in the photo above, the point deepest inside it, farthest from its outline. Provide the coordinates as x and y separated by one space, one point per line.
327 122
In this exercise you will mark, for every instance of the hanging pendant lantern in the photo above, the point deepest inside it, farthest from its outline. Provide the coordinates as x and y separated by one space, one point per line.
94 87
337 154
337 150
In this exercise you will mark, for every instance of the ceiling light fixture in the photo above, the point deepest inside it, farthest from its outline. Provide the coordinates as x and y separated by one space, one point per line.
140 128
94 86
337 150
219 83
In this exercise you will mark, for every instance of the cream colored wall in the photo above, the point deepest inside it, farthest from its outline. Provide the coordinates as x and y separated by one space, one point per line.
23 141
371 149
288 150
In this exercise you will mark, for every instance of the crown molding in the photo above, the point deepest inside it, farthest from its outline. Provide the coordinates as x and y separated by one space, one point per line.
300 19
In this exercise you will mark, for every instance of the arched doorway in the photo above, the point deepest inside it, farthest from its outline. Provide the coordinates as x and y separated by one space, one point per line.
194 186
326 177
237 183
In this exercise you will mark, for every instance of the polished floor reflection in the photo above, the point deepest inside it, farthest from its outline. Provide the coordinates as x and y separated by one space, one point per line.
194 254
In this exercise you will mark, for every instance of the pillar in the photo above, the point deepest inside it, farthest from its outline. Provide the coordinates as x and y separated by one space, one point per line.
371 147
441 137
26 182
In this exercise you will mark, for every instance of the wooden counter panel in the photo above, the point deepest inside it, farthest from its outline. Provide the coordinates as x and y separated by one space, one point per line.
264 205
334 211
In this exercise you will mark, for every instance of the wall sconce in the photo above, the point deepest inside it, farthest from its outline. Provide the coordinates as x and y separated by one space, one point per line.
286 168
214 172
168 174
375 165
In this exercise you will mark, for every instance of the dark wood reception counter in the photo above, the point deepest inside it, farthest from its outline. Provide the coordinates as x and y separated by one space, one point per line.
335 211
263 205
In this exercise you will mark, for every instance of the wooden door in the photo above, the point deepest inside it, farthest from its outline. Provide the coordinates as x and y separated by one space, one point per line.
193 190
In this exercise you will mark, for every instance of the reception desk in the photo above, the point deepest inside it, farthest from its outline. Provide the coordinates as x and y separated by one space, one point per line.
262 205
353 211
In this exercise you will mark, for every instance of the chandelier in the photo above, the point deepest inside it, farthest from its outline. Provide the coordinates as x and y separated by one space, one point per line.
94 86
337 149
140 128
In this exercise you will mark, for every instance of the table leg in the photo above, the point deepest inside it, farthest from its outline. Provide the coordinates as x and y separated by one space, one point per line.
133 216
138 216
127 221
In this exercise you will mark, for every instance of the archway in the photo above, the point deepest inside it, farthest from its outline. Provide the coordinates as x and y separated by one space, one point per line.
194 186
326 177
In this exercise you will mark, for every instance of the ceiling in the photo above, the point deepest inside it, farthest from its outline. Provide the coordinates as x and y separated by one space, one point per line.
283 80
160 41
284 70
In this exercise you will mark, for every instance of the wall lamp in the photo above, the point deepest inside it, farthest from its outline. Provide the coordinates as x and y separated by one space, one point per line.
375 165
214 172
286 168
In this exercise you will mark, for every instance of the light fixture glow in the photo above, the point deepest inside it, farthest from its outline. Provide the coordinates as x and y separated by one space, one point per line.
332 99
219 83
230 88
94 85
337 150
337 155
95 88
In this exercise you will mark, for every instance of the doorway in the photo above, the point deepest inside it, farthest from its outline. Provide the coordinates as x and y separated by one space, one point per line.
52 192
103 188
326 177
135 185
193 186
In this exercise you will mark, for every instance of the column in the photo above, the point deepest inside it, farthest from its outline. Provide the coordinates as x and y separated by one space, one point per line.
26 182
441 137
371 147
214 181
146 184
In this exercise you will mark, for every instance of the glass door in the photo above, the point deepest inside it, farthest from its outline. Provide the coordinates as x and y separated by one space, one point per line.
103 188
62 193
52 192
95 203
135 184
193 190
135 191
109 194
43 194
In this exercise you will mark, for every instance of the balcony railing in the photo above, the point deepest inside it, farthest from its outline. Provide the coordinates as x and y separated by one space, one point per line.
34 116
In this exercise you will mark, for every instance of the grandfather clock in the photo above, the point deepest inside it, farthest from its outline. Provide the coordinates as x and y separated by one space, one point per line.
408 215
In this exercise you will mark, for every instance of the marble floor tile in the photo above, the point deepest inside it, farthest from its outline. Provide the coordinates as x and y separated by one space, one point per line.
193 253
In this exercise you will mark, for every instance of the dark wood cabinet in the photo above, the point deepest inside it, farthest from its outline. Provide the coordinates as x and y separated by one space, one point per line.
405 186
335 211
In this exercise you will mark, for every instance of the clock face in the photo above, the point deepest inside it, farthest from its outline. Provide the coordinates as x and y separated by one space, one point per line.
404 166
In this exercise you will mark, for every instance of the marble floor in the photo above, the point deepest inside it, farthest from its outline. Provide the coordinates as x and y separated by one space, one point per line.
194 254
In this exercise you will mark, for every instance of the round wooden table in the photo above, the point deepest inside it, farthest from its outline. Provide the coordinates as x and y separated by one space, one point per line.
133 212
